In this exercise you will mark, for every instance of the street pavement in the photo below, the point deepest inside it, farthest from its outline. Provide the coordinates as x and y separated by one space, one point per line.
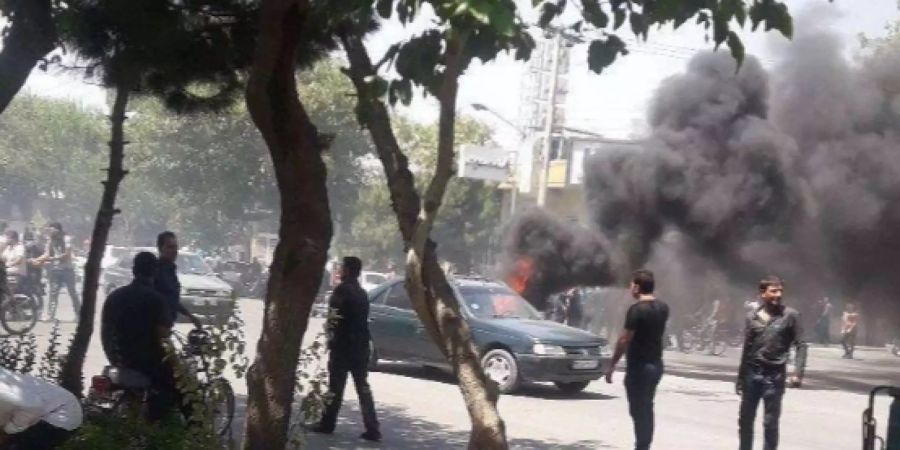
696 408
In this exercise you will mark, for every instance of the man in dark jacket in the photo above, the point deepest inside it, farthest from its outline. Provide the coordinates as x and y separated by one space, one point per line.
771 330
166 282
349 346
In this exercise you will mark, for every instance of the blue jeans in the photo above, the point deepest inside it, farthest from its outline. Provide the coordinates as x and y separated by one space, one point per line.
641 380
768 386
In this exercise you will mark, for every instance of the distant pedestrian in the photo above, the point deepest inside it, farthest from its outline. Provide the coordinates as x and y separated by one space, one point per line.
642 340
166 281
770 333
15 261
61 270
823 322
574 308
349 350
849 323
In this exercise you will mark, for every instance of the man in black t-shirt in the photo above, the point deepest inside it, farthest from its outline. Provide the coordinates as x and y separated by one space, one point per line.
134 322
642 340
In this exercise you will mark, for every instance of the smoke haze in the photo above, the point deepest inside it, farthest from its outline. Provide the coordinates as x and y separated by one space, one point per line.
747 173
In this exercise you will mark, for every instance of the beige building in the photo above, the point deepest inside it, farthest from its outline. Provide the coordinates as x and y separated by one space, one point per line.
565 193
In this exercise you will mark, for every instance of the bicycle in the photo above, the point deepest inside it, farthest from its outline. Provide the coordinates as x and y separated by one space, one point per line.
698 337
123 392
19 310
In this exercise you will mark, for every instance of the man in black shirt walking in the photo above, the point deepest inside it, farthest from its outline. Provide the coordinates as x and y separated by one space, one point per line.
349 347
642 339
772 329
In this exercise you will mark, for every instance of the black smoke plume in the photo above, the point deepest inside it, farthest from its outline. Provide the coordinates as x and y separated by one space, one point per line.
549 256
795 173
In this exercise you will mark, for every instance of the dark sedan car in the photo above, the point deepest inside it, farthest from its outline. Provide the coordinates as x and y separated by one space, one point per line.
516 345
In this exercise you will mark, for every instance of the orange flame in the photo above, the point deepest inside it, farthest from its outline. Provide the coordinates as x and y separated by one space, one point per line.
521 273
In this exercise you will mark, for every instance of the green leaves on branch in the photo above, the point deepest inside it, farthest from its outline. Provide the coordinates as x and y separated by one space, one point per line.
602 53
716 16
774 14
480 28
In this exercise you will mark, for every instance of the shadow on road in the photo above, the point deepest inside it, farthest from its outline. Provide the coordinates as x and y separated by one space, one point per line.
403 431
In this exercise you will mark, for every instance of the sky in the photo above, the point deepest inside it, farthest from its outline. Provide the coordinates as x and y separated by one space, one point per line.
613 103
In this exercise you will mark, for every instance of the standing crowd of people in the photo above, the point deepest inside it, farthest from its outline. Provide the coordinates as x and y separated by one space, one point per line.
30 257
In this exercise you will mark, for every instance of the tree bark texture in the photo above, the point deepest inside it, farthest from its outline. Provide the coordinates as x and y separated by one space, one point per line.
32 35
305 229
432 296
71 374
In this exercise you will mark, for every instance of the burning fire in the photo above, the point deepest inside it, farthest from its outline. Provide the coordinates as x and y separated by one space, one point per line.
521 273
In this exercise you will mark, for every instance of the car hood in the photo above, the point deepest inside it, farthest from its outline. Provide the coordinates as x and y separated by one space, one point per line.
549 332
206 282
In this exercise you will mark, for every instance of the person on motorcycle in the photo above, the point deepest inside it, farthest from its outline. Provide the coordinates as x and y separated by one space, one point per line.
14 259
135 321
34 413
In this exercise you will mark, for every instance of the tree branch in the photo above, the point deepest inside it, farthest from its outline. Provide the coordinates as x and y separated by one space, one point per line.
31 36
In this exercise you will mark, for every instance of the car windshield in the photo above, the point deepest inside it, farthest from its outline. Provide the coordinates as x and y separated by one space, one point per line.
193 264
496 302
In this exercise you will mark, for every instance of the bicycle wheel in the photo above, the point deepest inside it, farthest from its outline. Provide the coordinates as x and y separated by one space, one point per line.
19 314
220 405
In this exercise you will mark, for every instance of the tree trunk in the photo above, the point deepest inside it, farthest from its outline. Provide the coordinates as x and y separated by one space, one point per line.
305 231
71 375
433 298
32 35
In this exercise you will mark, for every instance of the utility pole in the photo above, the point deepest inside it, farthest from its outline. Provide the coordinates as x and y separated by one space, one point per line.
556 42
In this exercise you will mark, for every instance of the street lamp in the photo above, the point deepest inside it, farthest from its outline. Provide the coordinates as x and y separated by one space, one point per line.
482 107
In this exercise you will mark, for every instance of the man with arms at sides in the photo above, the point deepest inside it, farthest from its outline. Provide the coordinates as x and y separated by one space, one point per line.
771 330
349 350
166 282
642 341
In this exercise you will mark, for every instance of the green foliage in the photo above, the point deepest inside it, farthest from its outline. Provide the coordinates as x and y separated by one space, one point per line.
123 433
642 15
481 29
18 353
311 385
204 175
51 152
52 360
165 49
470 213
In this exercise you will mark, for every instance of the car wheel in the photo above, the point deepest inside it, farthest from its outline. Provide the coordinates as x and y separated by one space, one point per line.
573 387
373 357
500 366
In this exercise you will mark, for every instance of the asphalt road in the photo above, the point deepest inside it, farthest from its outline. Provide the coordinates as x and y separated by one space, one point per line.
696 408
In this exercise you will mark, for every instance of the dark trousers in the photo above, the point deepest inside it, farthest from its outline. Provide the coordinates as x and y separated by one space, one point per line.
822 332
340 365
768 386
641 380
40 436
848 340
58 279
164 395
